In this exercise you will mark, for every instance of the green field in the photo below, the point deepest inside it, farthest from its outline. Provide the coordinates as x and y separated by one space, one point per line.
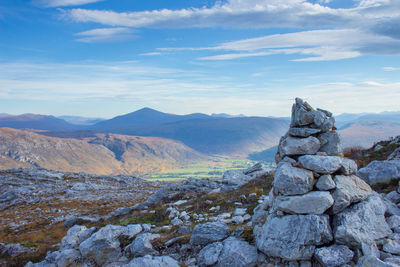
212 169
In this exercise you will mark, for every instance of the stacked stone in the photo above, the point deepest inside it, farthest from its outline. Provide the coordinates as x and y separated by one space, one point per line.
320 212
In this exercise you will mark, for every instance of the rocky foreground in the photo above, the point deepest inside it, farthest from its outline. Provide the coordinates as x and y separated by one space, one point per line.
318 212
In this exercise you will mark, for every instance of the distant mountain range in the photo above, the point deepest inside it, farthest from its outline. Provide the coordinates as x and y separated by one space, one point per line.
220 134
99 154
77 120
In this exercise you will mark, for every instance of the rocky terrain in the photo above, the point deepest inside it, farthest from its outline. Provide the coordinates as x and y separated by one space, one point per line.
98 154
313 210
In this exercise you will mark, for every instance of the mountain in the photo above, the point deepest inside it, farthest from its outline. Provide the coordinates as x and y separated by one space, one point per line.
223 136
78 120
100 154
366 133
346 119
37 122
143 117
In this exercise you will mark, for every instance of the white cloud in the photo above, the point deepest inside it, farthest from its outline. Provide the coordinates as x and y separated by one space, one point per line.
181 91
104 35
368 28
59 3
390 69
317 45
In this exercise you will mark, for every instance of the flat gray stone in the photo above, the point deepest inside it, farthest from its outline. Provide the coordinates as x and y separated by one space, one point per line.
380 171
237 253
292 146
209 255
210 232
371 261
331 143
325 183
302 132
392 247
349 166
150 261
363 222
349 189
321 164
315 202
334 255
142 246
290 180
293 237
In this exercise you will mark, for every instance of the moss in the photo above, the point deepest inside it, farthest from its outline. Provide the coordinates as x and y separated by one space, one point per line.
159 218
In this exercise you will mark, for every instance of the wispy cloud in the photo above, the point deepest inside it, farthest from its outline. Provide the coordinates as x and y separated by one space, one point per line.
105 35
390 69
182 91
316 45
62 3
370 27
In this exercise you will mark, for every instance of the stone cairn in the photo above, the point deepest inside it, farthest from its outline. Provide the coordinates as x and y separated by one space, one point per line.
320 213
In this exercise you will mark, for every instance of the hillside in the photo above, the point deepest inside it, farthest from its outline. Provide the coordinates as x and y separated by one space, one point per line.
102 154
366 133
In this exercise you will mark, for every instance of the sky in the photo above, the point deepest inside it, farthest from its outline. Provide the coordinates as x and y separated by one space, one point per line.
102 58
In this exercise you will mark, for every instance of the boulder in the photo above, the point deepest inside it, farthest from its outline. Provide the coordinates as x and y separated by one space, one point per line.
332 256
302 132
293 237
331 143
209 255
325 183
321 164
349 166
210 232
290 180
68 258
150 261
75 236
316 202
142 246
380 171
292 146
392 247
363 222
371 261
235 178
237 253
349 189
103 246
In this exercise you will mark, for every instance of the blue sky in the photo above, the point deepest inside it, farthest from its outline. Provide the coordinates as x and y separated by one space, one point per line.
105 58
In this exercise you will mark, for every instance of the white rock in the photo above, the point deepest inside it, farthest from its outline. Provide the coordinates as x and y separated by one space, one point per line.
321 164
363 222
150 261
335 255
291 146
325 183
290 180
349 189
315 202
